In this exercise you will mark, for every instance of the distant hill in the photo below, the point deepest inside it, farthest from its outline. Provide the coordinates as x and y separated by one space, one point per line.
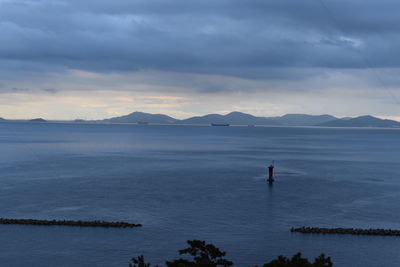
1 119
38 120
136 117
304 119
235 118
362 121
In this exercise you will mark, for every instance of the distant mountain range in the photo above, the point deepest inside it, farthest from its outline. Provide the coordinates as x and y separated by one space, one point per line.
239 118
233 118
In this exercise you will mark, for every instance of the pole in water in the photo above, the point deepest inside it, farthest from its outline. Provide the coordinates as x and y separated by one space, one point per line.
271 173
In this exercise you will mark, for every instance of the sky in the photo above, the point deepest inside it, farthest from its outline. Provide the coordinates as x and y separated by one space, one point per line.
99 59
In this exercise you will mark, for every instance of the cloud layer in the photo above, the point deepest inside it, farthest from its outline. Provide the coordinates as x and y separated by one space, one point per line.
199 46
240 38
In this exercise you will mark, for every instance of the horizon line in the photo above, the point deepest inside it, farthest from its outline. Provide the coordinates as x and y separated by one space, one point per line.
395 118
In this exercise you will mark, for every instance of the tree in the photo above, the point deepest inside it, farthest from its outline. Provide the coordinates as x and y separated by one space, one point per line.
298 261
207 255
138 262
204 255
321 261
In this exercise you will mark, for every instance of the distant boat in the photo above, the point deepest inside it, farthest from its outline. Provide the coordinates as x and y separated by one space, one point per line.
38 120
142 123
220 124
250 125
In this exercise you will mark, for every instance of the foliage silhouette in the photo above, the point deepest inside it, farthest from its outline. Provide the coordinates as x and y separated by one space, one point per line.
207 255
204 255
298 261
138 262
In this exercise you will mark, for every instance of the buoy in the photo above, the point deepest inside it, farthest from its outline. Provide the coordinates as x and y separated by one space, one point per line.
271 173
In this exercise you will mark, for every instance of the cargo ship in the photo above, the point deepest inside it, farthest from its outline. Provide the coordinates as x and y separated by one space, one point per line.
220 124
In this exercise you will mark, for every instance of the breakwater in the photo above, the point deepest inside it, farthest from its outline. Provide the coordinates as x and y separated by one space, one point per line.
346 231
69 223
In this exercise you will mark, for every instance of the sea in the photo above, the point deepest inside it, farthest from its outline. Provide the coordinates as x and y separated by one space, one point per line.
196 182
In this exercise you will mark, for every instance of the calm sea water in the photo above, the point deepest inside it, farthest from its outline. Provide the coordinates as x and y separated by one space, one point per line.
187 182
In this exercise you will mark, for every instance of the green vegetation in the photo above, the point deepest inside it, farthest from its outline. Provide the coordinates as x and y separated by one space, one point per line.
207 255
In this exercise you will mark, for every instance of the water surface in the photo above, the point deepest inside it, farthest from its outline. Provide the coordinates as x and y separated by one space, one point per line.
190 182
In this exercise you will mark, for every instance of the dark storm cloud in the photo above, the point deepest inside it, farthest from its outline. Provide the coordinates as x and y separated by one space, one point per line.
250 39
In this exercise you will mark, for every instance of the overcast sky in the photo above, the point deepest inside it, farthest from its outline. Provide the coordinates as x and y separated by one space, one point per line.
96 59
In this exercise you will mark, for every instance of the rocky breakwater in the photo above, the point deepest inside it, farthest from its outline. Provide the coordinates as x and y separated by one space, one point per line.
346 231
69 223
